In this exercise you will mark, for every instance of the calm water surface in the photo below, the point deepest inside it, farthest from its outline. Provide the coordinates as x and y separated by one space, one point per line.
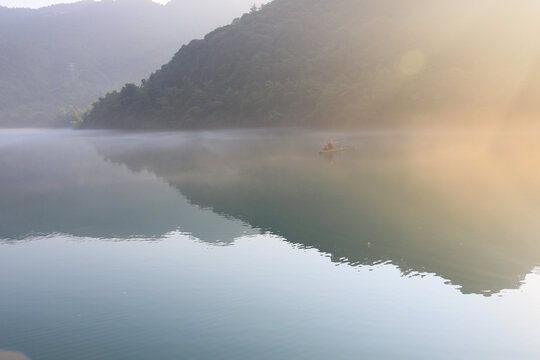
250 245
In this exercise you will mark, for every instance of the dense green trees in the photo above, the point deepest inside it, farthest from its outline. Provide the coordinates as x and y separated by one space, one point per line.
322 62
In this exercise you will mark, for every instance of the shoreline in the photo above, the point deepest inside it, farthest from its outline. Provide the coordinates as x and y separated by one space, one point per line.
11 355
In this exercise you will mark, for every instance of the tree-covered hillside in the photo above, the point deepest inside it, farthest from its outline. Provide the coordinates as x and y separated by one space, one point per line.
65 56
325 62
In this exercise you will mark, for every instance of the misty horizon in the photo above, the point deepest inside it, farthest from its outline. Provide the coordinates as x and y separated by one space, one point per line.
287 179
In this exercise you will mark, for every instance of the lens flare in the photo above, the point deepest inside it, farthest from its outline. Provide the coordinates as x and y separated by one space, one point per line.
412 62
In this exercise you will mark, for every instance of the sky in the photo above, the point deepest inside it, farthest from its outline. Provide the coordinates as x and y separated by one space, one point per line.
41 3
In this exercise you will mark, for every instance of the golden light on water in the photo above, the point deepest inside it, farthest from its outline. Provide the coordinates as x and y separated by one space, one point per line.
487 182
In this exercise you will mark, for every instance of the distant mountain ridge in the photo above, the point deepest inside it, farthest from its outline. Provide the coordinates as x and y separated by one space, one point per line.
356 62
65 56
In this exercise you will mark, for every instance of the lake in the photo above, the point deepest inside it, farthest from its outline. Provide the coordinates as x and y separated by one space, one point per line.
248 244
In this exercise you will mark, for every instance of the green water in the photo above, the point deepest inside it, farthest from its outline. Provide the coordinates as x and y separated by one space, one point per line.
250 245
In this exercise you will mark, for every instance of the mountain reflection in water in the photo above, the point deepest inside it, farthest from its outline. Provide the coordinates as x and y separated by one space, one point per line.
55 183
459 206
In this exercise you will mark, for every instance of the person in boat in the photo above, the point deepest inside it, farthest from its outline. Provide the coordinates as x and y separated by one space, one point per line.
329 146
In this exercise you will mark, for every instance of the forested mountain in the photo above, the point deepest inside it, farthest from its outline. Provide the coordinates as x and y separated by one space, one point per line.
65 56
326 62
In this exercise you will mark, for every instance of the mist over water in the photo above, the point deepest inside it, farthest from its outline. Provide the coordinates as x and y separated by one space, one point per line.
249 244
415 237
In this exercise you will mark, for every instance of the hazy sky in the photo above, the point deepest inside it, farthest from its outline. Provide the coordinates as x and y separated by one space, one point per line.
41 3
